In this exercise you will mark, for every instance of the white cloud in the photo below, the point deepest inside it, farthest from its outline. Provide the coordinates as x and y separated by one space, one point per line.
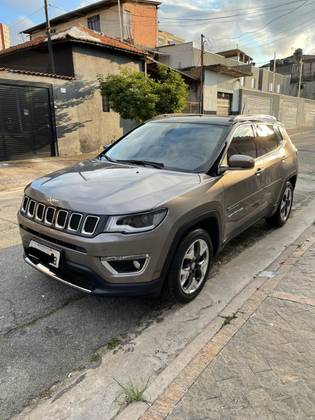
253 30
18 25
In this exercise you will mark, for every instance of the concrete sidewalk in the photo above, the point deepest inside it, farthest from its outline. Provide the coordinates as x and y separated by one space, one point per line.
261 364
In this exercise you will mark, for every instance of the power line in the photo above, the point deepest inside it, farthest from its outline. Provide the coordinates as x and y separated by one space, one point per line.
235 15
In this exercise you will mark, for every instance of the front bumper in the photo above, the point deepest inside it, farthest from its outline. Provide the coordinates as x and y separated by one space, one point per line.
82 268
83 279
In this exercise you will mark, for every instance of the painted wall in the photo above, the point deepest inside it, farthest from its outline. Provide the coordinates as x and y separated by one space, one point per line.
144 26
293 112
214 83
108 18
98 127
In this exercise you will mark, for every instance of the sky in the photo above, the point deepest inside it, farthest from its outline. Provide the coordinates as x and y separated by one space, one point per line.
258 27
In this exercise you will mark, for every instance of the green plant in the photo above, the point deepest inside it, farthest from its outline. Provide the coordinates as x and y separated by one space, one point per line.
227 319
112 343
130 392
139 97
96 357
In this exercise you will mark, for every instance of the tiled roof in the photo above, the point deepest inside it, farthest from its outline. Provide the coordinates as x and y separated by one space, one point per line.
79 34
36 73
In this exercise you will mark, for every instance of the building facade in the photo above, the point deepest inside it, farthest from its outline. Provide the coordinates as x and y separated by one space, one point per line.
4 36
292 67
81 121
135 21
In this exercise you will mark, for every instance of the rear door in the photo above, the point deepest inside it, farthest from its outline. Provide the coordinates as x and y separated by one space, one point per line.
270 156
242 189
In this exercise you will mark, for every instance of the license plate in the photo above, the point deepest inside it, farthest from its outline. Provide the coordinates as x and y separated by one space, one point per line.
52 253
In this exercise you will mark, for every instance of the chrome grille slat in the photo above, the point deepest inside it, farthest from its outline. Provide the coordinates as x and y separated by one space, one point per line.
61 219
89 231
25 203
49 221
40 212
31 208
72 225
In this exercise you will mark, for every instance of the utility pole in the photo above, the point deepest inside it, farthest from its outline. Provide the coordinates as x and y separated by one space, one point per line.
49 43
120 21
202 76
300 78
274 72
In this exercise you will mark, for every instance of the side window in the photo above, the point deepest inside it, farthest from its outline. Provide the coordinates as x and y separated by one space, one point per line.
266 140
94 23
243 142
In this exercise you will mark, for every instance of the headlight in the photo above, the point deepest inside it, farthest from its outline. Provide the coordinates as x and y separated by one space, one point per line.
133 223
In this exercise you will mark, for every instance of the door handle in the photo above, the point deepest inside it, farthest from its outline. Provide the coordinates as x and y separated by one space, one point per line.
259 171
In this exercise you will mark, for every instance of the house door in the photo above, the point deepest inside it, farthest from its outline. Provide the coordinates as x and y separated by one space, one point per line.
224 102
26 128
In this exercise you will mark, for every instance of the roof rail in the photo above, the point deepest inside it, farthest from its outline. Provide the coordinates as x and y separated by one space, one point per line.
253 117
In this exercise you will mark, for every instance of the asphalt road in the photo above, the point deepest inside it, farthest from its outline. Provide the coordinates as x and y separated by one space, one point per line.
48 330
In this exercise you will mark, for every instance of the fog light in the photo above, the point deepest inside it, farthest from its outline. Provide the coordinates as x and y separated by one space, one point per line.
137 265
126 265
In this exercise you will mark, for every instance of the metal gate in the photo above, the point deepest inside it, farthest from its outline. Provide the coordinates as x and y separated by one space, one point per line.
26 127
255 104
224 101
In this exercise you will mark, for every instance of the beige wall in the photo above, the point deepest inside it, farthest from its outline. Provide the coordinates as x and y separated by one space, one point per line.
98 127
293 112
214 83
108 18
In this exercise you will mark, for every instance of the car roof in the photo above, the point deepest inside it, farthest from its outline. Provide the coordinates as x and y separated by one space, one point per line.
214 119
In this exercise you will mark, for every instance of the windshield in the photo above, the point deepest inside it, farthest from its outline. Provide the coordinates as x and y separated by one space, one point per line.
178 146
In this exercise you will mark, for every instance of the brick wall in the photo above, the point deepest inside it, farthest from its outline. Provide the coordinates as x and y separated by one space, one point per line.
144 26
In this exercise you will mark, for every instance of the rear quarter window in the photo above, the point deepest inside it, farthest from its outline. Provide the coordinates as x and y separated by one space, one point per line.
267 139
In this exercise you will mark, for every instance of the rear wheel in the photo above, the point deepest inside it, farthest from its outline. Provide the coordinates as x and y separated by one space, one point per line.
190 266
284 209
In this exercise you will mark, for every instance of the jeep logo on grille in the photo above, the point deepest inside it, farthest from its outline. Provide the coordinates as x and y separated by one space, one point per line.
51 200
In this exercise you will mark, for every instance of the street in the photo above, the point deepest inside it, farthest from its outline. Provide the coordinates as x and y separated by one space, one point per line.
48 330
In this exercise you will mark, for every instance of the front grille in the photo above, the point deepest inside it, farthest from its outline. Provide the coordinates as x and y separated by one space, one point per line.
61 219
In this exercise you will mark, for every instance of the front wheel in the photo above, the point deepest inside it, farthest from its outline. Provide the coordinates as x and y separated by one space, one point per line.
284 209
190 266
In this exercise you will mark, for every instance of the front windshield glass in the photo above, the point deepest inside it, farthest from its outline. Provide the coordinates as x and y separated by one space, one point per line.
178 146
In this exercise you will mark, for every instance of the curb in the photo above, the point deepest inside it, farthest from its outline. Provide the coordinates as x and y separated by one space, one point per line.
160 406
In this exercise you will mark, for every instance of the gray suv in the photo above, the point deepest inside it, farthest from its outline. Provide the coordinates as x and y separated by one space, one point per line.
155 207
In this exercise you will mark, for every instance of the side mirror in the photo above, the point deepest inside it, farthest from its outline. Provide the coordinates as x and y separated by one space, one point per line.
241 162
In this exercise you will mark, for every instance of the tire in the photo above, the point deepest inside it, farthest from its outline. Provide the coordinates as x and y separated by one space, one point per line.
186 263
284 209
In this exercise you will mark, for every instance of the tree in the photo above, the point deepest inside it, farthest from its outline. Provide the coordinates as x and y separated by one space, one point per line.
137 96
171 91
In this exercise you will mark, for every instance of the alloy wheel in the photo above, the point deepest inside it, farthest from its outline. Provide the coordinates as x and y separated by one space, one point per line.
194 266
286 204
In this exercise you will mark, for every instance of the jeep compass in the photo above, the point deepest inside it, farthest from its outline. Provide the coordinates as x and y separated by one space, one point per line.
154 208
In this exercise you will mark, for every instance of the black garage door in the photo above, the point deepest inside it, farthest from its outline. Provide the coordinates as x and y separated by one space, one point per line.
25 122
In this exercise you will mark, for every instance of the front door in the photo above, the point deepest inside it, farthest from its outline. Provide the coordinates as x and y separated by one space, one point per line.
242 191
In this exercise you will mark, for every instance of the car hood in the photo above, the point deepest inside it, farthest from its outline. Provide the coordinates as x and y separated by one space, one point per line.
100 187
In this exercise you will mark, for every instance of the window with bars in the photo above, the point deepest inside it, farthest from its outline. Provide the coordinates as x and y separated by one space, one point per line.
94 23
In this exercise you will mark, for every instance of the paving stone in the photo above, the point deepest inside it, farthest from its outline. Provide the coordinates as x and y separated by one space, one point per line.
267 369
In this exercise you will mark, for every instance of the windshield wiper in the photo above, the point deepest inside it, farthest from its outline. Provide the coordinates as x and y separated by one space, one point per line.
158 165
